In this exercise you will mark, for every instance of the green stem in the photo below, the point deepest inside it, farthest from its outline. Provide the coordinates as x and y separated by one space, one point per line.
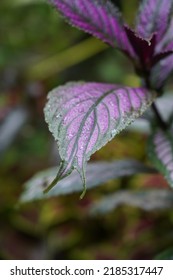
53 183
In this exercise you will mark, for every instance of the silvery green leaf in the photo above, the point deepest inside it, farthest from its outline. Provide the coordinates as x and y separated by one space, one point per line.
96 173
146 200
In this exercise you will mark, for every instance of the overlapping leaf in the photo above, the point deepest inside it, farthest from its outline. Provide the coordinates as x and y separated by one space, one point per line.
163 69
83 117
154 17
161 72
166 44
144 49
97 17
97 173
161 153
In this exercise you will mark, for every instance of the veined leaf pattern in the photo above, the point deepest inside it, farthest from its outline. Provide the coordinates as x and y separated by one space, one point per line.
154 17
97 17
161 153
83 117
161 72
166 44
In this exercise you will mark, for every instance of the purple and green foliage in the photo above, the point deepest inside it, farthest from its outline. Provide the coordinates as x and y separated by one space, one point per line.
100 18
160 151
83 117
154 17
145 45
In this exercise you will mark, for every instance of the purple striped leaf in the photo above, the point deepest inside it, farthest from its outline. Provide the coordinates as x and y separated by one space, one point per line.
83 117
161 72
166 43
154 17
97 17
144 49
147 200
160 150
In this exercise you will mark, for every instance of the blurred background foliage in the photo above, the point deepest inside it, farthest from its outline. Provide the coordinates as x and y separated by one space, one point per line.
39 51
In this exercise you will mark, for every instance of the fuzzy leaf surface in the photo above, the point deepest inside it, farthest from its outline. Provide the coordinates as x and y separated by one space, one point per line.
154 17
160 150
97 173
83 117
100 18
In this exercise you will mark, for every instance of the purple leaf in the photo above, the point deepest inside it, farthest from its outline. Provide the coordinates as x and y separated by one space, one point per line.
144 49
97 17
161 72
154 17
160 56
166 43
161 153
83 117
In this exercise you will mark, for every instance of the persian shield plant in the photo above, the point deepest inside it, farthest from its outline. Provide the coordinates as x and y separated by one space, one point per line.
83 117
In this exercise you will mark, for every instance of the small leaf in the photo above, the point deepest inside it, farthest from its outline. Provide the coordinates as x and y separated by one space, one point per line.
166 44
96 173
145 49
146 200
160 150
83 117
161 72
98 17
154 17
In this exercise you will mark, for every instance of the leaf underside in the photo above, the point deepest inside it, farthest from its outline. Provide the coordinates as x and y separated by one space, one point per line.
161 72
83 117
160 150
97 173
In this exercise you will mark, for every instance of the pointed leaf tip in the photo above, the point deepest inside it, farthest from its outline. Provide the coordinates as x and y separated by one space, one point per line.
97 173
83 117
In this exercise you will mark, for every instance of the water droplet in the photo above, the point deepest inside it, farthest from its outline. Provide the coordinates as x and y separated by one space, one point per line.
113 132
111 103
71 134
81 110
81 146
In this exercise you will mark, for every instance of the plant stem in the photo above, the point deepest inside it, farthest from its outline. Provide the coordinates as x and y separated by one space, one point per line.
160 121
